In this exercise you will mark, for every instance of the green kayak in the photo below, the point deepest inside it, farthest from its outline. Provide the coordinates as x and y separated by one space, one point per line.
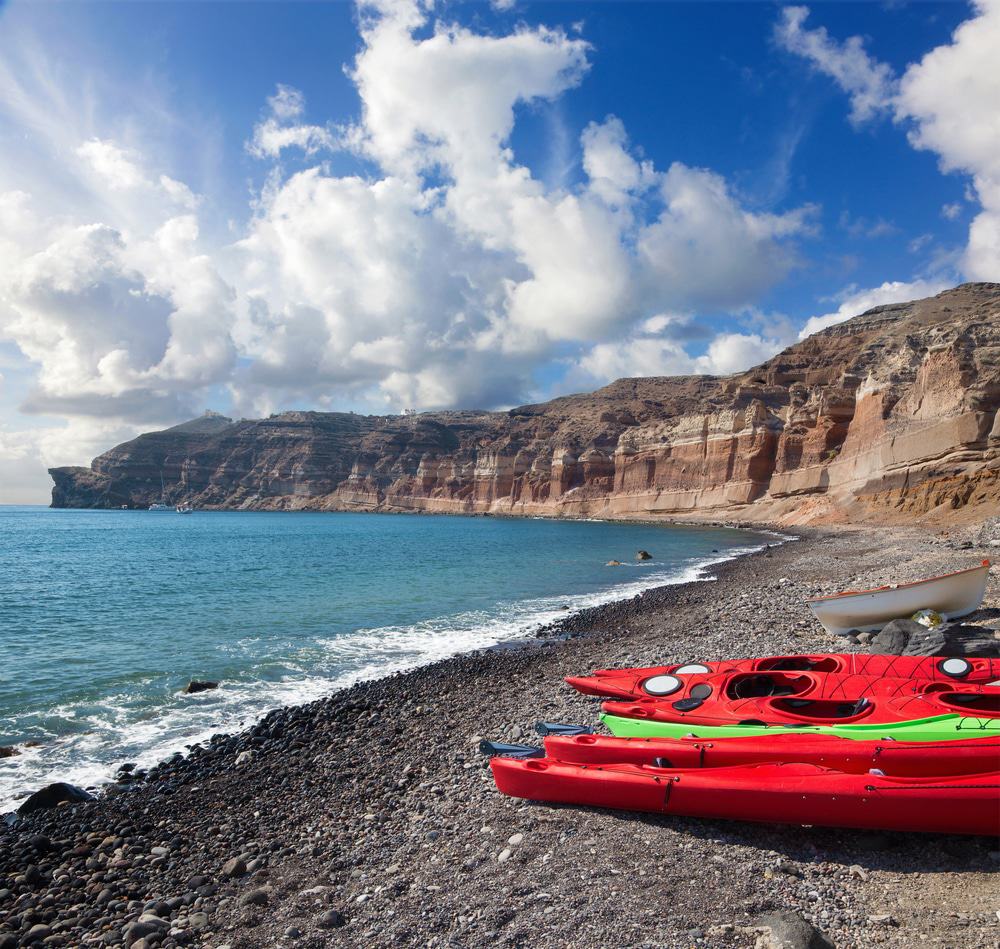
936 728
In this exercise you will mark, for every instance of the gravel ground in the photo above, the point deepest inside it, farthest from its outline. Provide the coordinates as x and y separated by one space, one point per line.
369 819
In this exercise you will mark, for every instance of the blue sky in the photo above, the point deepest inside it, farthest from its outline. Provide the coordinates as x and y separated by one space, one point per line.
252 206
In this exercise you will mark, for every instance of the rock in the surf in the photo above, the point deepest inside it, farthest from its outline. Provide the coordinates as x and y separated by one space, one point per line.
52 795
613 563
199 685
8 751
643 555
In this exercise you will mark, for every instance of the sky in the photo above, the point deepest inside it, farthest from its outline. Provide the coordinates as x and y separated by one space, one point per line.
254 207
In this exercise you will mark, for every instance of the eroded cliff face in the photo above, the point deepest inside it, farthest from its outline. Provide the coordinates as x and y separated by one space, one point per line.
893 413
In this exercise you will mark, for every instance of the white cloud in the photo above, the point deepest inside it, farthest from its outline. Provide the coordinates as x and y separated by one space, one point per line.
447 275
112 164
951 211
855 301
656 348
948 101
734 352
869 84
951 97
458 258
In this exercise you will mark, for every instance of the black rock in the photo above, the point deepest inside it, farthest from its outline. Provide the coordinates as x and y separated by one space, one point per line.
791 931
954 640
894 637
199 685
53 795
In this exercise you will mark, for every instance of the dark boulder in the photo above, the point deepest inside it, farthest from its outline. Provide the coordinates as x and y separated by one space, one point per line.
53 795
955 640
199 685
8 751
904 637
643 555
893 638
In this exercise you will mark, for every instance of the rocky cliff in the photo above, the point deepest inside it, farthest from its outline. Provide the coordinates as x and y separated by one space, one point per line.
892 413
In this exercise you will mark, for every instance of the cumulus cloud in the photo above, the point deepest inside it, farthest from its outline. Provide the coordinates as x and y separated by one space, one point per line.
854 301
457 254
446 273
947 102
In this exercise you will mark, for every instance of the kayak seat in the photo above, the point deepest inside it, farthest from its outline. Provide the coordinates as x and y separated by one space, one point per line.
757 685
823 710
799 664
973 702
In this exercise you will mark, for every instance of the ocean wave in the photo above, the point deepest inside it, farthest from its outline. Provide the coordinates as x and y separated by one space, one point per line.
85 743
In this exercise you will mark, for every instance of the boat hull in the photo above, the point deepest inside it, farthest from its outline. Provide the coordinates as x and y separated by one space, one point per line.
630 683
952 595
768 793
807 698
935 728
900 759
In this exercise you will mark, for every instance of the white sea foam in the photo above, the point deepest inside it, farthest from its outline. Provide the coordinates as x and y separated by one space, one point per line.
125 727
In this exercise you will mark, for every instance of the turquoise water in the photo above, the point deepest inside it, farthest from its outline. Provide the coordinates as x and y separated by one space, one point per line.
106 615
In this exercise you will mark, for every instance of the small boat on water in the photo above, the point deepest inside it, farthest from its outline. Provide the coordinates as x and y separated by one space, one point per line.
951 594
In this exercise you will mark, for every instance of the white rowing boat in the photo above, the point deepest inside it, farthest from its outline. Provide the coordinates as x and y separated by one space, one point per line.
951 594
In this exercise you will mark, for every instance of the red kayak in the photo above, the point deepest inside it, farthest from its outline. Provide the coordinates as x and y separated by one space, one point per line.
894 758
807 698
808 707
642 683
772 793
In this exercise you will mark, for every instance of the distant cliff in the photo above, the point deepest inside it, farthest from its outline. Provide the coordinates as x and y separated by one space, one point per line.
892 413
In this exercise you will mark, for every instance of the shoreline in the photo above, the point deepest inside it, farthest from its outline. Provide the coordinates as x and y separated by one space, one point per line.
368 818
95 775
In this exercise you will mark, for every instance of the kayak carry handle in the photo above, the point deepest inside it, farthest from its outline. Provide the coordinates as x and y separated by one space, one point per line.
493 749
557 728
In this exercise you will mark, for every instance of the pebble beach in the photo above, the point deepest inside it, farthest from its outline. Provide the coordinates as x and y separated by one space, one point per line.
369 818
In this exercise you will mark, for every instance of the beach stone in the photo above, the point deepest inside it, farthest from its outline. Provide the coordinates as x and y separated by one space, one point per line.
893 638
37 933
234 868
788 930
8 941
331 919
52 795
199 685
8 751
258 897
643 555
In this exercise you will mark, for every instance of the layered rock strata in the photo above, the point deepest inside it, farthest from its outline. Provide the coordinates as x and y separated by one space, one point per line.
893 412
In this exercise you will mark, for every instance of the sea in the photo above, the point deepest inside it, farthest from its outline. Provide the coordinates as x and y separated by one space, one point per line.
105 616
